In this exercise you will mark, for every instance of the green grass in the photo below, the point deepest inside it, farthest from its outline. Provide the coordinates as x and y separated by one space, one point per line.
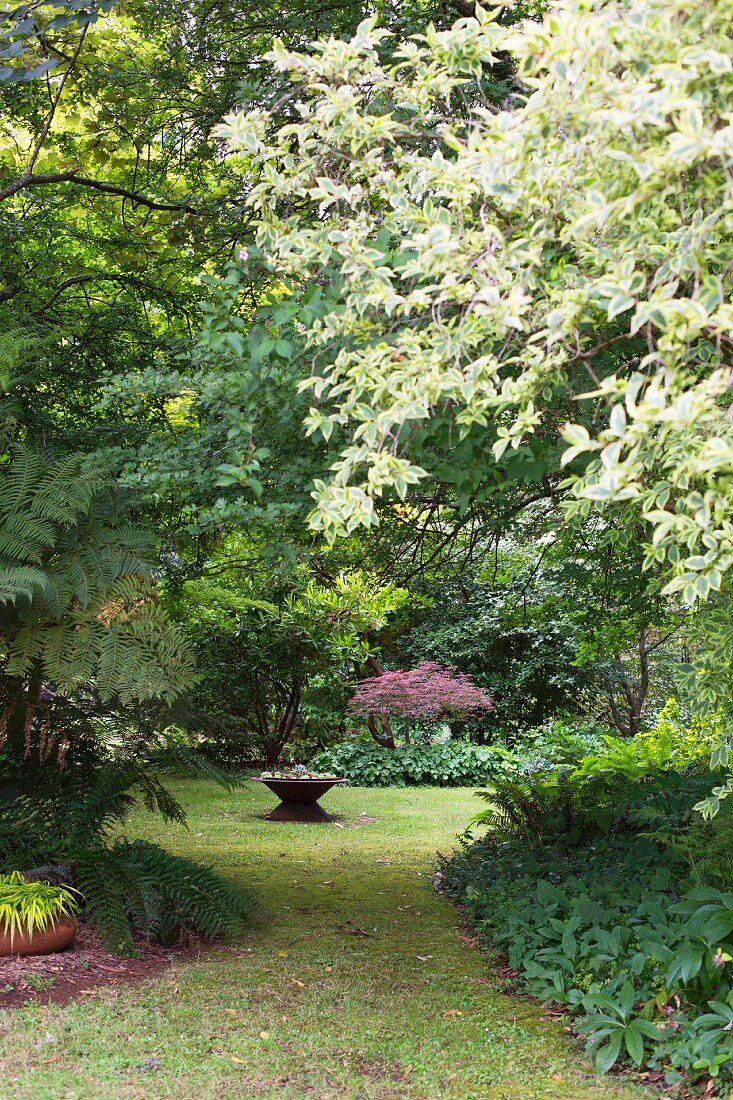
302 1007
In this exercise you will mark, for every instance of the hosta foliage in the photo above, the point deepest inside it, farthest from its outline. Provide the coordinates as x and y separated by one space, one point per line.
451 764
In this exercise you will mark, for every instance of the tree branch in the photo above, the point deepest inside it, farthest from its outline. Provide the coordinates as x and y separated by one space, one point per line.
71 176
54 104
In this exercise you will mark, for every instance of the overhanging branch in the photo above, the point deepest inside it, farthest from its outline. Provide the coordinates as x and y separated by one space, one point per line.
24 183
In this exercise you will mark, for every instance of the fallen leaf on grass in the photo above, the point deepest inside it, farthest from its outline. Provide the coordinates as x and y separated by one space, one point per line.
282 954
423 958
470 941
653 1076
264 1035
238 1061
352 931
230 1011
300 985
451 1012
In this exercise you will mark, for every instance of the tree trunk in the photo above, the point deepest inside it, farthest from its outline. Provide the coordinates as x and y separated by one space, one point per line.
283 725
386 738
627 716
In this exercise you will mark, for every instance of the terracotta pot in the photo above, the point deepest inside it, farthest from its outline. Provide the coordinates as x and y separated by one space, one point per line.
55 938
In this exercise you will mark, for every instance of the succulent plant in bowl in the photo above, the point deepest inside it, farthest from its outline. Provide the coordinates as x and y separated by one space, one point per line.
296 771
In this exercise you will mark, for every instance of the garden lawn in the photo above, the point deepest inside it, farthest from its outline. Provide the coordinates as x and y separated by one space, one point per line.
353 982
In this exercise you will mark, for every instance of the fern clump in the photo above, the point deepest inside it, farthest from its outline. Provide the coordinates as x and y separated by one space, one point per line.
65 824
136 885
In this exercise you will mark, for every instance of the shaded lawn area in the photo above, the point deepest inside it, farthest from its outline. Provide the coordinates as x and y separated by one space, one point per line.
307 1005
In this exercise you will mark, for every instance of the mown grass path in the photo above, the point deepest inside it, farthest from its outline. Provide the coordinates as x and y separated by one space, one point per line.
353 982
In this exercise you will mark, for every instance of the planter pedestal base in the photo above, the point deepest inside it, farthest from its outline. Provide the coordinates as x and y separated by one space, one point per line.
299 798
306 812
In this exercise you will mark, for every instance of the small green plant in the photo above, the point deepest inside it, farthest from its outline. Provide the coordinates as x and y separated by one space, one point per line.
30 907
38 983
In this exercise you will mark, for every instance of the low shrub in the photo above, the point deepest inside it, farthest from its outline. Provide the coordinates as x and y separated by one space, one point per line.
610 931
557 743
609 895
449 764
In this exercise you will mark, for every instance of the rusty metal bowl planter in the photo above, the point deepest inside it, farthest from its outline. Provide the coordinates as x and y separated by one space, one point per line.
299 797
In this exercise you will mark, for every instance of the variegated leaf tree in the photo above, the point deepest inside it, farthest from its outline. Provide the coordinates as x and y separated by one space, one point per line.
568 251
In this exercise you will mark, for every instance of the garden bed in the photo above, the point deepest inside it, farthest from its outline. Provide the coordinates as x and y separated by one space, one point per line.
84 968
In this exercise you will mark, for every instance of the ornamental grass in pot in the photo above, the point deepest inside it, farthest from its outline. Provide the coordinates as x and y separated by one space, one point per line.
36 918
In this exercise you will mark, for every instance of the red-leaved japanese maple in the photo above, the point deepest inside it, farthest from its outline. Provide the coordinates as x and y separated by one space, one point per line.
429 691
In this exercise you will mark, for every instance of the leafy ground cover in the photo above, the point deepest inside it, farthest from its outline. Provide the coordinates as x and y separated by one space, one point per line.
447 764
355 980
608 893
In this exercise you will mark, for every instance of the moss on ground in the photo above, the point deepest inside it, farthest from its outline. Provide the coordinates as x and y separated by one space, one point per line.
353 982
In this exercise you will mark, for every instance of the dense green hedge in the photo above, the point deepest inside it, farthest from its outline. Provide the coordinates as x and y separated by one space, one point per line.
450 764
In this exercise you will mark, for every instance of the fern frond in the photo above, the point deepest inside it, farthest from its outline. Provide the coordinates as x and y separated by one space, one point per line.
23 580
24 537
19 479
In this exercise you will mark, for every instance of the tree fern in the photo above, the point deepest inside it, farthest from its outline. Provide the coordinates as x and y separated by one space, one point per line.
21 581
77 602
88 665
